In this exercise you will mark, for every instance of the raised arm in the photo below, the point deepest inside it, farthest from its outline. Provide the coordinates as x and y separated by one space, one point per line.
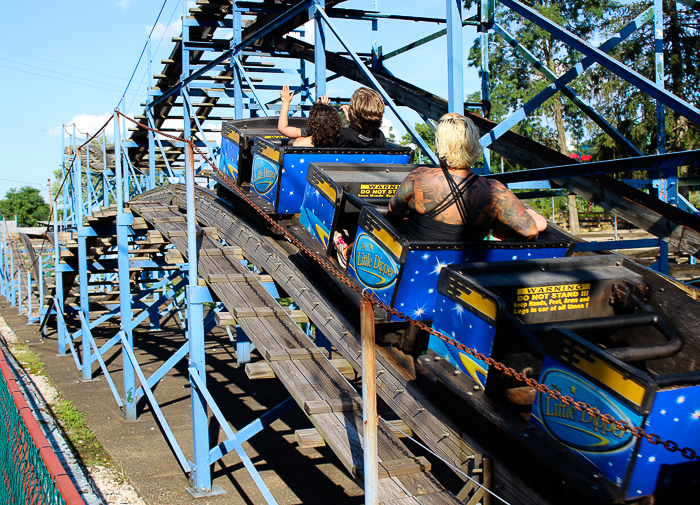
399 202
510 218
283 121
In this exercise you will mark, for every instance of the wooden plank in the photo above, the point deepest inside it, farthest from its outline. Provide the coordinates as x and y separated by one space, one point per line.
174 233
225 319
396 467
228 277
240 312
212 252
299 353
309 438
169 219
343 366
312 438
259 370
333 405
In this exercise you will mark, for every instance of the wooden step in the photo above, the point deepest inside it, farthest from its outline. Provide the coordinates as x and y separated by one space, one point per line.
312 438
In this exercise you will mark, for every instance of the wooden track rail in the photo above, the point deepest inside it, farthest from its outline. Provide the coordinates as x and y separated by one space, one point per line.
396 384
327 398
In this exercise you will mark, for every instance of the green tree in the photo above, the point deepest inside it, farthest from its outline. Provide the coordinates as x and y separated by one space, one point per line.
514 80
27 204
427 133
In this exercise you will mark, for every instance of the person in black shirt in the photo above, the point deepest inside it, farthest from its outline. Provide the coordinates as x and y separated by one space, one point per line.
365 114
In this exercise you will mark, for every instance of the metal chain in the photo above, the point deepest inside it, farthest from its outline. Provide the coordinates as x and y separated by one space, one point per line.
370 296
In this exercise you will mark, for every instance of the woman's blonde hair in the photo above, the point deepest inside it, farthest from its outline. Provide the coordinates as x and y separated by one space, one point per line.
457 140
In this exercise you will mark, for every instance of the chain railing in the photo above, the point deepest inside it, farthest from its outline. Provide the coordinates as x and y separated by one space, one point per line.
342 276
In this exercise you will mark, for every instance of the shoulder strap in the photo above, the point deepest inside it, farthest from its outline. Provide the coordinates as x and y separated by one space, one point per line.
457 191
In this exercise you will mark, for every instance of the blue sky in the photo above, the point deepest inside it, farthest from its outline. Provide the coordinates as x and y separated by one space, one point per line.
70 62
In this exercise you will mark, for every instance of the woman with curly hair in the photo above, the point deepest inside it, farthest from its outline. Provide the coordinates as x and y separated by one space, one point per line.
322 129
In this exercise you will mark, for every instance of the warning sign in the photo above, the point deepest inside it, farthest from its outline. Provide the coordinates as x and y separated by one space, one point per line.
551 298
378 190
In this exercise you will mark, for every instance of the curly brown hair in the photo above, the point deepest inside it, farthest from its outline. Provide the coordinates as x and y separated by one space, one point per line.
324 125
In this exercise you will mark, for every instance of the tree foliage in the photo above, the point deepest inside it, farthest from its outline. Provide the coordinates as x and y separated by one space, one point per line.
514 80
27 204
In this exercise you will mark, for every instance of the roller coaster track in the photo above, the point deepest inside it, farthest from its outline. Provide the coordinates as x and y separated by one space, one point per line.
441 430
681 230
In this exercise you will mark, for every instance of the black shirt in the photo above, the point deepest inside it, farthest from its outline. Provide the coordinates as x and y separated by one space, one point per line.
351 138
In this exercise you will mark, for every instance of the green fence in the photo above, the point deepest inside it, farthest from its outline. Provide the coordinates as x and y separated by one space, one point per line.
24 473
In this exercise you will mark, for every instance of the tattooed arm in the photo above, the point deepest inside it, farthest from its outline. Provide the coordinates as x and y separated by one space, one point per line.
399 202
500 209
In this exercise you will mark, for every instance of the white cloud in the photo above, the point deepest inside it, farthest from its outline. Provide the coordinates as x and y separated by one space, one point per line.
124 3
87 123
167 32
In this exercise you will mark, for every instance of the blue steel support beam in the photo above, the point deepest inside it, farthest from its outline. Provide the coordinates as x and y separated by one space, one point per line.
570 75
252 88
486 8
670 100
237 76
665 181
200 479
82 266
570 93
151 136
455 60
200 386
319 47
387 99
376 48
124 220
58 280
105 177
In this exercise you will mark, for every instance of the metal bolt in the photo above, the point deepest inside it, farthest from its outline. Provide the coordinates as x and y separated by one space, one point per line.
477 387
437 358
457 371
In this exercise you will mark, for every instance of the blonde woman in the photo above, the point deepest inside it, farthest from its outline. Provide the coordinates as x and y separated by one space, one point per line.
452 203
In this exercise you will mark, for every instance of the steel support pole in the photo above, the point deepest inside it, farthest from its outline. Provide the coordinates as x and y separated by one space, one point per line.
30 314
123 221
105 179
376 48
19 288
455 61
151 136
58 279
40 283
201 478
369 404
12 278
237 74
88 176
5 286
82 269
486 23
319 48
65 177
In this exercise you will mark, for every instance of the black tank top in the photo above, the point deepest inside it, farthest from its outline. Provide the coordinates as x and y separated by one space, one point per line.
424 227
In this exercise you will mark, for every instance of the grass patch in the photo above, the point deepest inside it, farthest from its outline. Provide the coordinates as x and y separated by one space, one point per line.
29 361
81 437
